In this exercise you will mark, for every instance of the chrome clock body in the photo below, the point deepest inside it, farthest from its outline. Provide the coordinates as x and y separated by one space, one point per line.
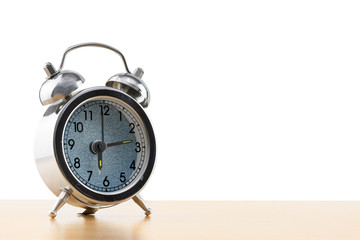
54 153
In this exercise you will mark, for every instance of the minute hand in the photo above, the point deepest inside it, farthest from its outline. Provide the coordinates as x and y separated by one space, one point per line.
118 143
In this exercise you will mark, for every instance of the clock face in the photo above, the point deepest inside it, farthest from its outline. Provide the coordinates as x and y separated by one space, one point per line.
105 145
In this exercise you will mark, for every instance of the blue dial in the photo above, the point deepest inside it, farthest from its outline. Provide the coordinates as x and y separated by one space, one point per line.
104 144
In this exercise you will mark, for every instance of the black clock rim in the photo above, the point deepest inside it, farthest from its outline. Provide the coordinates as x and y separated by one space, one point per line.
58 143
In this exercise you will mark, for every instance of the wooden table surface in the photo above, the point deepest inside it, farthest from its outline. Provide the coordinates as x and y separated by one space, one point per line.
185 220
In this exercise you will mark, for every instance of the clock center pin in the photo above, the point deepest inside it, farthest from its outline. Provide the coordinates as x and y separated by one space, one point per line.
97 146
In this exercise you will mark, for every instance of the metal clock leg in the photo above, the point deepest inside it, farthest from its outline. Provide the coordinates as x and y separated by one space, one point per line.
139 201
63 197
89 210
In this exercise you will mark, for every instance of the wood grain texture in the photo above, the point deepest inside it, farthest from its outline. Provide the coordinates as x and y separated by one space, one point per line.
185 220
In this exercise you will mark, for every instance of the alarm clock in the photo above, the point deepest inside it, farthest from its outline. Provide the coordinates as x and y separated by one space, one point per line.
95 147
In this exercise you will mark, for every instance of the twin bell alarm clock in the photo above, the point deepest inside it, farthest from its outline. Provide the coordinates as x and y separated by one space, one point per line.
95 147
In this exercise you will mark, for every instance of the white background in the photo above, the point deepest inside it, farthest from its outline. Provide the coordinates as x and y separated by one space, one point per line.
255 100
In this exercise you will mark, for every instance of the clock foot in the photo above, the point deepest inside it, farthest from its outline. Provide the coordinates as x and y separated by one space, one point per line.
89 210
139 201
63 197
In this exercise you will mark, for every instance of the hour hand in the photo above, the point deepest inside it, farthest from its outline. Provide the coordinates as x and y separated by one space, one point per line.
97 147
100 163
118 143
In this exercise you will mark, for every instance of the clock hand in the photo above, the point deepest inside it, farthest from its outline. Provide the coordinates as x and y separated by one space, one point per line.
102 127
100 163
118 143
97 147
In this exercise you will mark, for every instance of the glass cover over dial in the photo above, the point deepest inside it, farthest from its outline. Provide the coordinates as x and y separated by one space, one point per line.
104 144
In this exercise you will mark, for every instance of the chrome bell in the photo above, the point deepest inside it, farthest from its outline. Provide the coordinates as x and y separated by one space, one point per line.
132 85
58 85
